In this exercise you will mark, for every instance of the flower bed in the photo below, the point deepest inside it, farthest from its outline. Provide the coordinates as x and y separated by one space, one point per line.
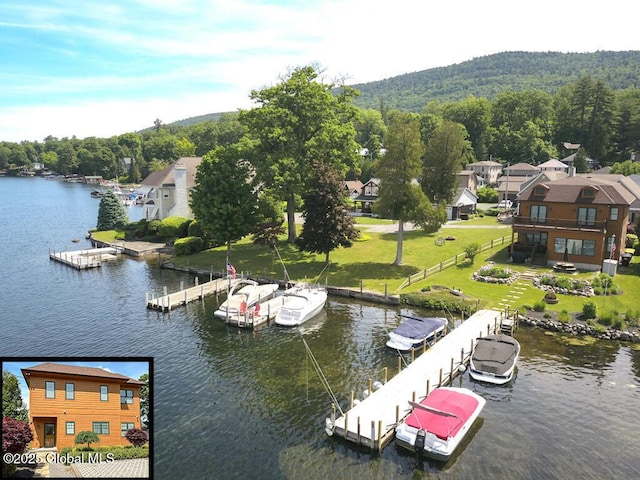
494 274
565 285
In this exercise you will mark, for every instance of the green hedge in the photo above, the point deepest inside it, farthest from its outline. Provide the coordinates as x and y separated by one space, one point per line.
117 452
188 246
438 301
174 227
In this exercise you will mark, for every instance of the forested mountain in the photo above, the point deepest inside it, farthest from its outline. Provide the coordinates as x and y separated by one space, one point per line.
489 75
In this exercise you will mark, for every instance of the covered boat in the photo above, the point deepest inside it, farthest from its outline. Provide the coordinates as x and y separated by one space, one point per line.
245 295
494 358
437 424
301 303
414 331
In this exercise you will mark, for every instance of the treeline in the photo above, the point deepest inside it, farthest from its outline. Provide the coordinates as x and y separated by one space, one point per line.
528 126
489 75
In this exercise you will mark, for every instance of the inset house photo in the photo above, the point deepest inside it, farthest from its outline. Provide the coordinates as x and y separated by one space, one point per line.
98 408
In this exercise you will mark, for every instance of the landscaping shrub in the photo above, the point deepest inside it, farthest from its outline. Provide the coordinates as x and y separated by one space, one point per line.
636 248
117 452
605 284
472 250
606 319
195 229
589 309
564 317
87 437
631 240
136 437
632 317
188 246
174 227
539 306
434 301
16 435
153 227
492 212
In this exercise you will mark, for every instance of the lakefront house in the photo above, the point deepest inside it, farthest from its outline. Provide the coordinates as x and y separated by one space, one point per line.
65 400
578 219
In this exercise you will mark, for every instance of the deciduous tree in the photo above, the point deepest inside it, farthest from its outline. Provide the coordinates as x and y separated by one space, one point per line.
12 405
327 224
295 122
224 200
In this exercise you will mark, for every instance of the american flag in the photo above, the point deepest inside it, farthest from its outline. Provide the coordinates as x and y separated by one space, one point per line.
231 270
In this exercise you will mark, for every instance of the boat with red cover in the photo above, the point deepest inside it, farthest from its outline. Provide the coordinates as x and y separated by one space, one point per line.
437 424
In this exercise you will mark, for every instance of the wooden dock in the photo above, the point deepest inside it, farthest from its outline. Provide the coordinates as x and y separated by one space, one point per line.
168 301
84 259
372 422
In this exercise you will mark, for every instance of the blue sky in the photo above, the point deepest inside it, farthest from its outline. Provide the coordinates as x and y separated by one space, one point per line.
132 369
106 67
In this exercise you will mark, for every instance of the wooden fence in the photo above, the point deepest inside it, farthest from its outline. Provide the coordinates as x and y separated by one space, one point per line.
421 275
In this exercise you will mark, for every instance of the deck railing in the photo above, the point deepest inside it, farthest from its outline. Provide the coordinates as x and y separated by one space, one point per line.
559 223
450 262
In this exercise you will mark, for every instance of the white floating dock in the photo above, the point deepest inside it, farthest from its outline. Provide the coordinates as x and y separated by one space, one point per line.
372 421
83 259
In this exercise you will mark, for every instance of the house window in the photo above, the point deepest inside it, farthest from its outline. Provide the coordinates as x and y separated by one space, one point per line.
540 191
104 393
49 390
126 396
71 428
125 427
538 238
69 391
588 192
614 213
586 216
539 213
101 428
572 246
609 243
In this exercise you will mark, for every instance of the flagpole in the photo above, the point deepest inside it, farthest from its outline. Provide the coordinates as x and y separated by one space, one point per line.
613 246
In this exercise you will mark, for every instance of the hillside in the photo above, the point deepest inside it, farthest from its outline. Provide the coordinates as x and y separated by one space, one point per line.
489 75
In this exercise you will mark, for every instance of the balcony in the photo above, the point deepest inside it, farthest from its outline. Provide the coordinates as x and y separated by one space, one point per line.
521 221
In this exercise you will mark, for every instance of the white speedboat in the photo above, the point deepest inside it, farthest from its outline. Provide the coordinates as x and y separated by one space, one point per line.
437 424
243 297
494 359
301 303
414 331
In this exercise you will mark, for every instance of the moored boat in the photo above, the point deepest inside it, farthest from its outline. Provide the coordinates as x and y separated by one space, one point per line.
494 358
438 424
414 331
243 296
301 303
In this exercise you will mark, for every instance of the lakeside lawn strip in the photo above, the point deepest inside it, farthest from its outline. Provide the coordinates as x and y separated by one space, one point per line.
370 261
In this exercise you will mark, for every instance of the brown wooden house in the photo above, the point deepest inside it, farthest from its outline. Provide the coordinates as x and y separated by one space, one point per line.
65 400
571 220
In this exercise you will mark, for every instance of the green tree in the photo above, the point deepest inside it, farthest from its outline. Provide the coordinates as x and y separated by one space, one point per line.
487 195
87 437
443 159
111 212
145 413
269 219
471 251
12 405
297 121
626 168
400 198
327 224
224 200
185 147
475 114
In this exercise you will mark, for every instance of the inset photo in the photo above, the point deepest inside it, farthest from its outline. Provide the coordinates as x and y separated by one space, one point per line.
86 417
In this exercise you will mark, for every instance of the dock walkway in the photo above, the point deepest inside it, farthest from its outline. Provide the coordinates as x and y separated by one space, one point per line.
168 301
372 422
84 259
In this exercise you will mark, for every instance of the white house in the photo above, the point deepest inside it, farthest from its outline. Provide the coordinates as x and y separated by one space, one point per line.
167 192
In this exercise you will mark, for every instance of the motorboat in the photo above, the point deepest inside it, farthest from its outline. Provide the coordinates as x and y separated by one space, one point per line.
301 303
414 331
244 296
494 358
436 426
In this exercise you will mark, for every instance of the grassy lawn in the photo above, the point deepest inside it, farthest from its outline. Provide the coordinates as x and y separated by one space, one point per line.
369 263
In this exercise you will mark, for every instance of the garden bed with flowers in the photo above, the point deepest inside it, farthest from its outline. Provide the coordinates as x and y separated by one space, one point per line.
494 274
601 284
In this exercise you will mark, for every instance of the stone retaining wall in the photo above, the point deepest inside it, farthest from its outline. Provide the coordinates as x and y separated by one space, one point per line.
581 329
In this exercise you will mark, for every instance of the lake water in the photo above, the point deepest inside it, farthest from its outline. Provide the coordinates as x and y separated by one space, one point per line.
230 403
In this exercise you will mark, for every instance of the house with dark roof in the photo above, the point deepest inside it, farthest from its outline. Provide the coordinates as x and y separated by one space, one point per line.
573 219
167 192
65 400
